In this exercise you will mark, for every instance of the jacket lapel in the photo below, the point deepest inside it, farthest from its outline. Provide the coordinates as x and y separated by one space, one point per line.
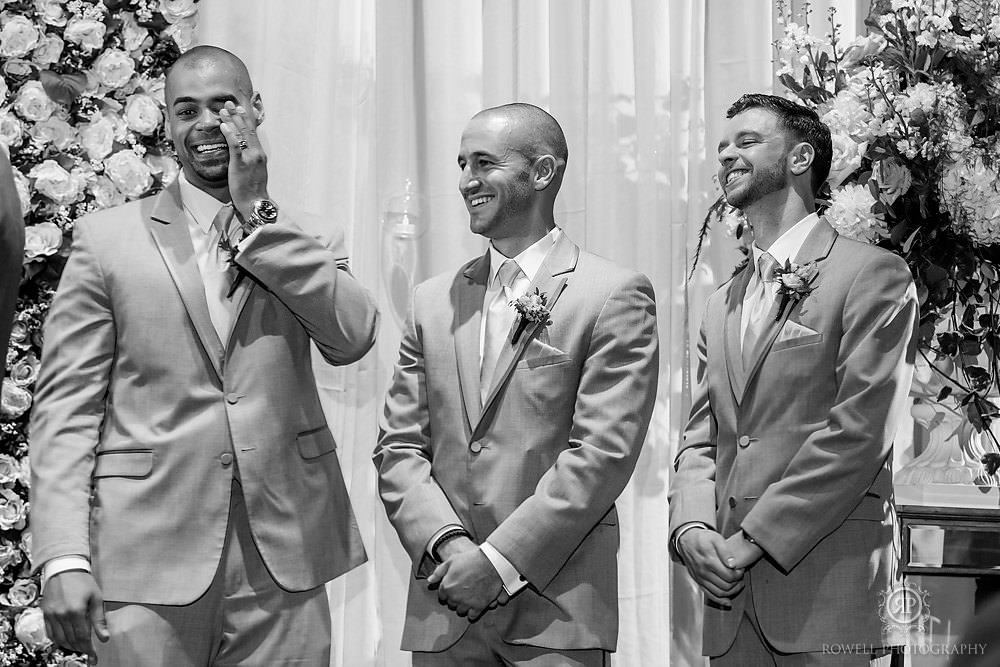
467 332
169 227
815 248
550 280
734 315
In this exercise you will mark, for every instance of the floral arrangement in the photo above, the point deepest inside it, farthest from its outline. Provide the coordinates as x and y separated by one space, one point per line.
81 115
914 112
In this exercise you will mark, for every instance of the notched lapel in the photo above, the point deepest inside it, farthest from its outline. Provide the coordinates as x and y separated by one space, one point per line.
468 323
169 227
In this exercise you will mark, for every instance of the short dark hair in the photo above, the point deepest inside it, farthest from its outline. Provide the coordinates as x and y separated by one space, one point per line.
799 121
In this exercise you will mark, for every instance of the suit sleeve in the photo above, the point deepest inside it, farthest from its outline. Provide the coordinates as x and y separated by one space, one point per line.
416 506
613 406
11 248
312 279
837 464
69 405
692 490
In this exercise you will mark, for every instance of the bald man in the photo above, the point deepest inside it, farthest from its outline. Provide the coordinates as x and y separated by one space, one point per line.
520 401
187 502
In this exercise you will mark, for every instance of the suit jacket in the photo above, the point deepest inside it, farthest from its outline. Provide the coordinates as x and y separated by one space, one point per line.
537 469
143 417
11 249
797 450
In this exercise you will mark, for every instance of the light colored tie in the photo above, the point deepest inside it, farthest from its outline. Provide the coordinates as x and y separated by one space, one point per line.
758 305
499 319
219 274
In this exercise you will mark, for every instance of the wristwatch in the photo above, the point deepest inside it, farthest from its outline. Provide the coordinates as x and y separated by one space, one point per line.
262 212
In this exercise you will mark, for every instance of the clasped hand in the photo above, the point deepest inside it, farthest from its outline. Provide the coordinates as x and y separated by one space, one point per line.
717 564
466 581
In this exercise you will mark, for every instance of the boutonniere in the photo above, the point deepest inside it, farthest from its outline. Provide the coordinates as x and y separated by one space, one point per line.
794 282
227 246
531 308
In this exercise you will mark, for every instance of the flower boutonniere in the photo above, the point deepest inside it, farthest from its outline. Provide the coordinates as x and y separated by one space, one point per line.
531 308
226 245
794 282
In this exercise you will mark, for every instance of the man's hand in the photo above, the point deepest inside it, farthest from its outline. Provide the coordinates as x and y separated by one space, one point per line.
247 166
705 553
741 552
72 604
466 580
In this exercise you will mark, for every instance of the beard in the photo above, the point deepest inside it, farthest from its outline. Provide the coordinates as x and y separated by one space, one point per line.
761 183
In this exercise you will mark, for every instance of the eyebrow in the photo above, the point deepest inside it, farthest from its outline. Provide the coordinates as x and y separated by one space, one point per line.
739 135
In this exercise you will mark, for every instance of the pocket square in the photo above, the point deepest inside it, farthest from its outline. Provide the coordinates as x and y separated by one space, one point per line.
792 330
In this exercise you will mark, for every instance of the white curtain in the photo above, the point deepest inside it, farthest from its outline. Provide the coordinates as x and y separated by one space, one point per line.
365 104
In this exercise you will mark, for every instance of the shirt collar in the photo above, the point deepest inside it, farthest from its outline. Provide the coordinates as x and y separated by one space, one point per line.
200 205
787 247
530 259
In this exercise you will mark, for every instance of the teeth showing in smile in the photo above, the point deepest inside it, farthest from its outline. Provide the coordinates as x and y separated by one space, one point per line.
208 148
479 201
734 174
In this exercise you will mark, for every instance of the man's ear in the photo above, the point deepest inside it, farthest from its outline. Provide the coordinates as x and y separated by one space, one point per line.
801 158
258 107
546 169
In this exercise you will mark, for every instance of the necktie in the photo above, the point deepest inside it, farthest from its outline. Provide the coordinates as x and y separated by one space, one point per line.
499 318
219 274
758 305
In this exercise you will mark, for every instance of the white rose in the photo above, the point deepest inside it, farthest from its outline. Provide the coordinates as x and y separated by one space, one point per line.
25 370
142 114
21 594
129 173
9 469
175 10
10 556
847 154
97 137
56 183
892 177
54 130
105 193
40 241
18 37
23 188
12 508
182 33
165 166
133 33
11 131
114 68
30 629
33 103
48 51
87 33
51 12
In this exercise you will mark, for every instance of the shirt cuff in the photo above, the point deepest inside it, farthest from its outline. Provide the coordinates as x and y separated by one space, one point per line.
690 525
512 579
433 542
59 564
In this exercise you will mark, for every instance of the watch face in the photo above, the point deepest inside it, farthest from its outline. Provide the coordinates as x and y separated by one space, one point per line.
266 210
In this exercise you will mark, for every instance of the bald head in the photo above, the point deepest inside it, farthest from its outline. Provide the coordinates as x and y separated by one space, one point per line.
533 132
206 58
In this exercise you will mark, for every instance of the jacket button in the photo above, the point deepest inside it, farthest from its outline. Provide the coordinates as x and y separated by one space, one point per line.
476 446
744 441
226 459
732 503
232 398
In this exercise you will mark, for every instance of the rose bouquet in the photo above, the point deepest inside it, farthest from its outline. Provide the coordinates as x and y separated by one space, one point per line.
81 115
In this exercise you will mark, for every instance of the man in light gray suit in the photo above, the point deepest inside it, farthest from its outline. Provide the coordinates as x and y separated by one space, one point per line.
520 401
781 507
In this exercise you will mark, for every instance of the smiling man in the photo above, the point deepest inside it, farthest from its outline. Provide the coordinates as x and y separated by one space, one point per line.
187 503
520 401
781 507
